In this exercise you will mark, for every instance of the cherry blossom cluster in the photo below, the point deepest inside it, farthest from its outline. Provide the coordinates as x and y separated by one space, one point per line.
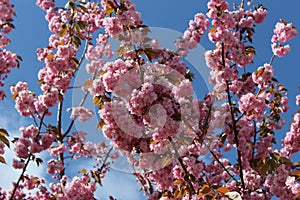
230 31
263 75
70 26
81 113
148 110
283 33
124 15
144 122
28 104
252 106
259 109
193 34
282 182
8 59
291 140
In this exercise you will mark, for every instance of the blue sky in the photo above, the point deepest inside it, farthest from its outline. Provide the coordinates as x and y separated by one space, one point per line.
32 32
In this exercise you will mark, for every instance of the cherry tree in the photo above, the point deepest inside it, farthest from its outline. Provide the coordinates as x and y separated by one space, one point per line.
147 108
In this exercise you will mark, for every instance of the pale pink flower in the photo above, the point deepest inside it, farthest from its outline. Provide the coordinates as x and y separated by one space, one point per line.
260 15
82 113
18 164
45 4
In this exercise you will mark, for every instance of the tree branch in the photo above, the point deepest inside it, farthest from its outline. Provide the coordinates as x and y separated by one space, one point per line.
235 131
187 174
73 120
20 177
272 59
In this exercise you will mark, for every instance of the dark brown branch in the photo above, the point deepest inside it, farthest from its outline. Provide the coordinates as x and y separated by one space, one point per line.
234 127
217 159
254 139
105 159
28 159
83 53
20 177
73 120
235 131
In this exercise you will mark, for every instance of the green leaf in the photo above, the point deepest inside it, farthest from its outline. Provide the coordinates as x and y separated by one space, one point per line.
76 41
286 161
272 165
275 156
82 24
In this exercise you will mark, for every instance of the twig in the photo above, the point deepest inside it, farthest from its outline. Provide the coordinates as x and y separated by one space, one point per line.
59 136
75 87
59 113
254 139
272 59
73 120
20 177
28 159
235 135
217 159
242 4
187 174
83 53
105 159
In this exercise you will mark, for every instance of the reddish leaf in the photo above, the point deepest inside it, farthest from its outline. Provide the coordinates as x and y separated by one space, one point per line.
15 95
2 160
222 190
3 132
100 124
5 141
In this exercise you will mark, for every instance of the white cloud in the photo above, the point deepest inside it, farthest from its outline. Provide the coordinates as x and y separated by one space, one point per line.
120 185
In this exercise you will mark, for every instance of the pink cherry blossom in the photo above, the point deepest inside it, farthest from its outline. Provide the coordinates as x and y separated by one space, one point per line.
260 15
283 33
263 74
298 100
82 113
18 164
252 106
45 4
